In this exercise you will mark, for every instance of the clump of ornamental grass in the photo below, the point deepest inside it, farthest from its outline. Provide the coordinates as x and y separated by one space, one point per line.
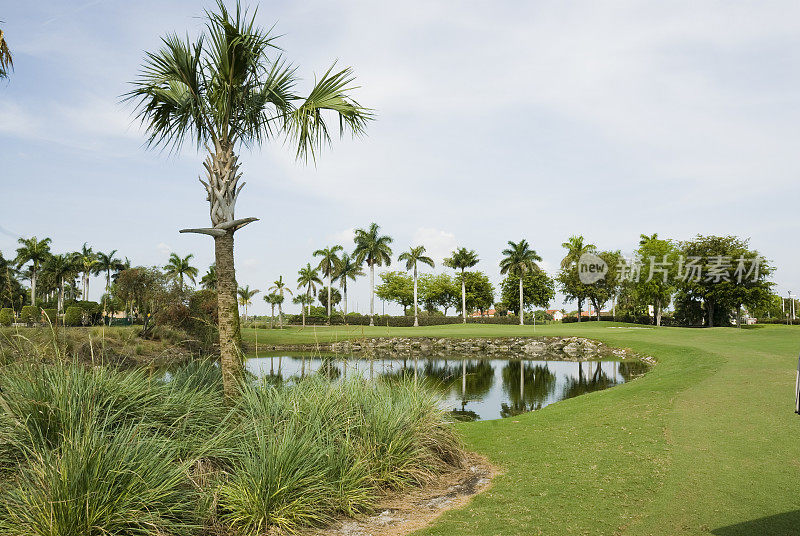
100 482
93 450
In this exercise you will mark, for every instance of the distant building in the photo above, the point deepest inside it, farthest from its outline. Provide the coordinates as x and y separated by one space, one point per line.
491 313
556 314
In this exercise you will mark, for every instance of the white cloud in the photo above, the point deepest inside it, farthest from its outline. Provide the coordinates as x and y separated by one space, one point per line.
438 244
164 249
343 237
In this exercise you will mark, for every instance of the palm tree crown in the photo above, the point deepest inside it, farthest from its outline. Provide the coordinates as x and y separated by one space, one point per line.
461 259
180 267
209 280
415 256
6 61
246 297
36 252
371 247
519 259
575 247
106 262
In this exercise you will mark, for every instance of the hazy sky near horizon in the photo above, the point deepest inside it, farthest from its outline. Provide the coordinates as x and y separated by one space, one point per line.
495 121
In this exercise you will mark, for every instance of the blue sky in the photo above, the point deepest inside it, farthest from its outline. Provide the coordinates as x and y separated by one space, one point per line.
495 121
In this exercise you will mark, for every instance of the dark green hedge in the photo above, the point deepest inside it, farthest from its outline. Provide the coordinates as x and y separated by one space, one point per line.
399 321
73 316
6 317
30 314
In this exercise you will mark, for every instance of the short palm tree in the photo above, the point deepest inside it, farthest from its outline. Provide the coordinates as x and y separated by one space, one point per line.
280 288
227 89
272 299
373 249
6 62
518 260
328 265
246 297
413 257
180 268
61 268
303 300
575 247
348 269
209 280
308 278
36 252
461 259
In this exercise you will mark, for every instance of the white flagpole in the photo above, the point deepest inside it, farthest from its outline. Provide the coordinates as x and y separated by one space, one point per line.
797 389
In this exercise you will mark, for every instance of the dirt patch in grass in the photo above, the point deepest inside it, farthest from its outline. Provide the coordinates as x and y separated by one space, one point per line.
405 512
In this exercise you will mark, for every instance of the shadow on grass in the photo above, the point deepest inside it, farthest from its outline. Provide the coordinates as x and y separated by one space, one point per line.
785 524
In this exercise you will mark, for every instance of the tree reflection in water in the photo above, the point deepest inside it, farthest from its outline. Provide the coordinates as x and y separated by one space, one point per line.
591 377
527 386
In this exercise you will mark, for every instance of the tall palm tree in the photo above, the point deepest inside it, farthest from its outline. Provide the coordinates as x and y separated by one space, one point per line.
180 268
245 298
224 91
6 62
106 263
328 265
280 288
36 252
348 269
375 250
303 300
518 260
61 268
209 280
575 247
87 262
412 257
461 259
308 278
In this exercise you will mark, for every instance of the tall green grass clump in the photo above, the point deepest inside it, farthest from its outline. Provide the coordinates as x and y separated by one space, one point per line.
95 450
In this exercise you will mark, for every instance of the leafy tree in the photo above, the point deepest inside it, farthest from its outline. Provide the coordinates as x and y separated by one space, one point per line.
537 290
461 259
180 268
224 91
209 280
413 257
148 289
246 297
11 292
36 252
328 265
396 287
308 277
6 62
720 274
372 248
348 269
479 291
335 296
605 289
438 290
518 260
656 285
568 278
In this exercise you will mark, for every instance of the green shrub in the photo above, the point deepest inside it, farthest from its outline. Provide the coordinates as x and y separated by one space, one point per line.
6 316
50 316
73 316
30 314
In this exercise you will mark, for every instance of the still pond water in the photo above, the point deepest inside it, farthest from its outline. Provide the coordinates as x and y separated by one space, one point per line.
473 389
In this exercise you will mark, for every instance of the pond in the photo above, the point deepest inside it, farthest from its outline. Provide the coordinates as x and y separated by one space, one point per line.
472 389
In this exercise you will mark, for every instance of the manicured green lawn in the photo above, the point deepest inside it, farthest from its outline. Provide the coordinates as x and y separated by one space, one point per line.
707 442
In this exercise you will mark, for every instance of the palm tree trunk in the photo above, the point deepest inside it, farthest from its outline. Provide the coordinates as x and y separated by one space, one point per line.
280 316
344 300
272 317
33 285
463 297
416 319
330 282
521 314
372 294
229 334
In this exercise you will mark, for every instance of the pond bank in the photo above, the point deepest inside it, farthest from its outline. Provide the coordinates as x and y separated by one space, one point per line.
552 348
